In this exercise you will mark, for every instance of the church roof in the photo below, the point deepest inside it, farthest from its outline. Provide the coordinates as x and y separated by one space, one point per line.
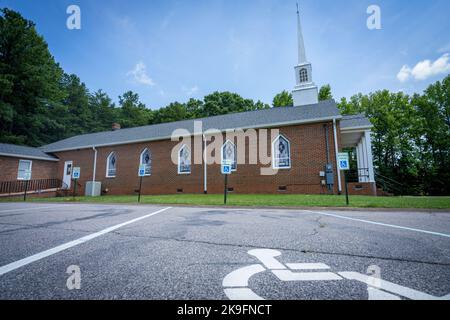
356 121
11 150
265 118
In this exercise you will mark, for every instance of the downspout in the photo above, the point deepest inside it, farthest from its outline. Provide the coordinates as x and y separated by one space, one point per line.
94 171
205 171
336 152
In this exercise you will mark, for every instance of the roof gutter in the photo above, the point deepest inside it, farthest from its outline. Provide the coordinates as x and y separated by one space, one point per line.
94 171
26 157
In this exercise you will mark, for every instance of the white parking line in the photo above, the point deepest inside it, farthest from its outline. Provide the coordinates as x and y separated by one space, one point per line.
41 255
32 208
378 223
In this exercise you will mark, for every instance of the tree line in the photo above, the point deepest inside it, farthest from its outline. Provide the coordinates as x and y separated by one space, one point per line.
40 104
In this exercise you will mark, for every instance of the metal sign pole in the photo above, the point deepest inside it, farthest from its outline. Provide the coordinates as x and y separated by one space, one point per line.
25 193
140 187
225 191
75 181
346 188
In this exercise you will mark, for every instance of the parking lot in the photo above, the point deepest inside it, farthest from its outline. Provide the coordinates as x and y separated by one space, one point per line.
162 252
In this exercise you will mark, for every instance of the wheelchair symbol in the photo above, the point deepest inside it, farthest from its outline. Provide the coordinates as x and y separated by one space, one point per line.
236 283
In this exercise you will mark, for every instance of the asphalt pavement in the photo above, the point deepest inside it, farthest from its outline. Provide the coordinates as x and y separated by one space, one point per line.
96 251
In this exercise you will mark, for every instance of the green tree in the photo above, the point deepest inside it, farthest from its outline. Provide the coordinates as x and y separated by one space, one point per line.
283 99
175 111
78 119
325 93
133 113
103 111
29 83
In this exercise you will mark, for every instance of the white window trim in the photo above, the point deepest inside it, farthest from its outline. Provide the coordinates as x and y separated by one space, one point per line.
273 153
107 165
18 171
141 162
179 162
235 154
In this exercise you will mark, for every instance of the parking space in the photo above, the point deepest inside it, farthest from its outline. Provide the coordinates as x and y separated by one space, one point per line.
159 252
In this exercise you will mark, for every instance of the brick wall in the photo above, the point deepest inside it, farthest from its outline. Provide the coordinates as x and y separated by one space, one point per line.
41 169
308 157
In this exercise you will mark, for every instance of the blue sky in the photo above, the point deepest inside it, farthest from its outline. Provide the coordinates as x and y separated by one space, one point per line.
173 50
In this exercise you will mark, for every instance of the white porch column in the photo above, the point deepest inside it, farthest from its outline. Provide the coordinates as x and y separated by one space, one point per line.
359 160
364 164
368 143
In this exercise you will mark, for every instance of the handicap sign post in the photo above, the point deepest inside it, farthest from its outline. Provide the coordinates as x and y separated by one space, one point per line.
76 171
344 165
141 173
226 171
27 178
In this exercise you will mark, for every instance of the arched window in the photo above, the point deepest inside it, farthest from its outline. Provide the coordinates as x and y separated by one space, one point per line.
281 153
303 75
184 160
229 153
146 159
111 165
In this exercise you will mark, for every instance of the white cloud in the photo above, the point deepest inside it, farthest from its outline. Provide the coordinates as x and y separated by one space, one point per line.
425 69
445 48
404 73
190 91
139 75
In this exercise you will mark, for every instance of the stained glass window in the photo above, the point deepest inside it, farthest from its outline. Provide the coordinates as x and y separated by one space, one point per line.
111 165
184 160
281 153
146 159
229 153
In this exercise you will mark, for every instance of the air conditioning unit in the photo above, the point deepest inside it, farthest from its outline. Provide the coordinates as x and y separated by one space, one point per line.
93 189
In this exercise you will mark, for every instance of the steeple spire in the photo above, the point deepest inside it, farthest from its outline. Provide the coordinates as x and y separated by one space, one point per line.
305 91
301 44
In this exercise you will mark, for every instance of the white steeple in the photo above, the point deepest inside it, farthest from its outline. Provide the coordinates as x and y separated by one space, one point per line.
301 43
305 91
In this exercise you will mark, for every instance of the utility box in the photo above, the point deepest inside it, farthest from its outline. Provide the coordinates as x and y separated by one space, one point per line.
329 176
93 189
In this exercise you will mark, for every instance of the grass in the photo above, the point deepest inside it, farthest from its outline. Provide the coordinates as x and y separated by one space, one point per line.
266 200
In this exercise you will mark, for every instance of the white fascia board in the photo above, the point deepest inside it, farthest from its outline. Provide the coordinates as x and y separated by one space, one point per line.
356 129
25 157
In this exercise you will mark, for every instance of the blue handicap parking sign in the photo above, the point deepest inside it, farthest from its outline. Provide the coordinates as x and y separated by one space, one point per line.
226 169
141 172
76 173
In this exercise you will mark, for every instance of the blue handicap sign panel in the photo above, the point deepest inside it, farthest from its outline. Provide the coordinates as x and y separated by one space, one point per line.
141 171
226 169
344 161
76 173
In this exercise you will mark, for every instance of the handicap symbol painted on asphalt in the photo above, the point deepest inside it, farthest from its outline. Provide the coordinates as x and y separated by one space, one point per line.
236 283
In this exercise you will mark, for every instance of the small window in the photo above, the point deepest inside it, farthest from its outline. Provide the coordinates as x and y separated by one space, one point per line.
184 160
146 159
229 153
24 172
281 153
111 165
303 75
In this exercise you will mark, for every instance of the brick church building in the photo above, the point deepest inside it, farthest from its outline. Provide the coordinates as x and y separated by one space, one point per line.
303 154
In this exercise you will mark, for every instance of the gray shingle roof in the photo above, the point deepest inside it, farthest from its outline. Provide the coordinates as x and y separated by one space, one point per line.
252 119
355 121
12 150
